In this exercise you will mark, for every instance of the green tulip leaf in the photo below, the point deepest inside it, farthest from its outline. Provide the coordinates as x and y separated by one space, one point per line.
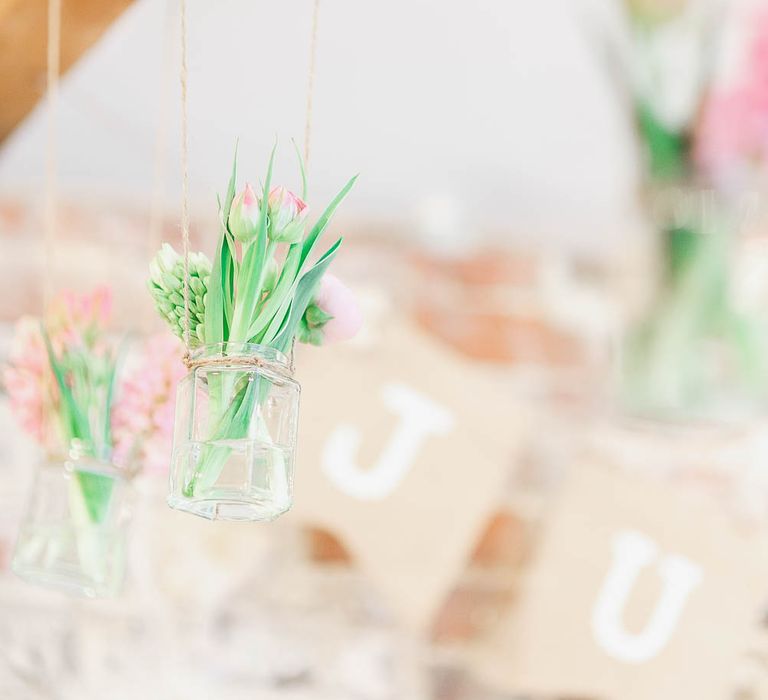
97 492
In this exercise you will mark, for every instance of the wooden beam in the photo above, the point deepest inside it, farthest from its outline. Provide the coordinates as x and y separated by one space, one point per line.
23 27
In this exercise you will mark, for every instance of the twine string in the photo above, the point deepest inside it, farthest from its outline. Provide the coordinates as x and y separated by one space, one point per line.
53 60
310 82
50 211
185 181
184 173
238 360
156 208
308 119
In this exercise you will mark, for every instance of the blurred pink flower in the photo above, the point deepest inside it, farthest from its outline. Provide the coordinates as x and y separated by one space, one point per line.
338 300
732 138
75 325
78 320
142 416
28 379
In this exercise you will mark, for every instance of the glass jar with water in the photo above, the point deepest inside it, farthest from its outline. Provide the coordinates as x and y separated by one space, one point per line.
235 434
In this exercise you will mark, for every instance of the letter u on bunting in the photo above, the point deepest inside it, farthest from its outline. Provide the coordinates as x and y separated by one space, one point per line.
632 553
639 590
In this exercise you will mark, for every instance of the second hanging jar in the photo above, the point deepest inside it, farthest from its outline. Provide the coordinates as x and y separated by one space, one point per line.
73 535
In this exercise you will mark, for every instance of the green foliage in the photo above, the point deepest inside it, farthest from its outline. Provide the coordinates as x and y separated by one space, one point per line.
310 328
218 308
86 390
305 291
74 419
668 151
250 300
315 317
97 491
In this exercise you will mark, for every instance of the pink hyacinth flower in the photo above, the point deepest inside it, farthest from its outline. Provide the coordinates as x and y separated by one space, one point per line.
74 324
27 378
142 416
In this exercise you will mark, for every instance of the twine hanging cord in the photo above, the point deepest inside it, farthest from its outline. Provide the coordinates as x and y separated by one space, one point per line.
308 124
310 82
250 360
184 174
50 212
53 59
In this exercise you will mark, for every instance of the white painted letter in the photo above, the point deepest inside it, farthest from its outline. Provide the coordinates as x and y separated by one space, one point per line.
419 416
633 551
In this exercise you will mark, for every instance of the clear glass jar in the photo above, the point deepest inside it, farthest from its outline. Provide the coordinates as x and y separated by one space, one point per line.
235 434
73 534
700 353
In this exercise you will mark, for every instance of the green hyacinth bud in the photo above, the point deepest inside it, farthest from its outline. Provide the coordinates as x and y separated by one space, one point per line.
166 285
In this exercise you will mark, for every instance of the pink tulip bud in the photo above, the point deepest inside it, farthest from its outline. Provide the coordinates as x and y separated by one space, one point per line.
244 215
287 216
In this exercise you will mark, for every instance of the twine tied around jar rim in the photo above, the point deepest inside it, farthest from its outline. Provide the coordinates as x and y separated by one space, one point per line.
183 72
285 370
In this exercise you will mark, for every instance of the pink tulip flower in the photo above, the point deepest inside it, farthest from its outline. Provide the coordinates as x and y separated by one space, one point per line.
244 215
287 216
339 302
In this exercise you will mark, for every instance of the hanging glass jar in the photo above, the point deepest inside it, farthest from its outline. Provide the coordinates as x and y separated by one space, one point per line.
73 533
701 350
235 434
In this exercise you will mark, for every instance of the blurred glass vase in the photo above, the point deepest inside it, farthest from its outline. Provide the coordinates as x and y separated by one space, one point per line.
698 354
73 534
235 434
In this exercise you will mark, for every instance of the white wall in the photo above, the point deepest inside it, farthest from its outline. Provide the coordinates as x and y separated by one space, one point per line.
505 106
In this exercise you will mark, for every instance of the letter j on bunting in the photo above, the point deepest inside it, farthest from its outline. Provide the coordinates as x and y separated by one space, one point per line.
407 462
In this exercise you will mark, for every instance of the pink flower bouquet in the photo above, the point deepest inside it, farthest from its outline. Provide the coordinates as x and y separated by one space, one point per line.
63 385
241 314
96 429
